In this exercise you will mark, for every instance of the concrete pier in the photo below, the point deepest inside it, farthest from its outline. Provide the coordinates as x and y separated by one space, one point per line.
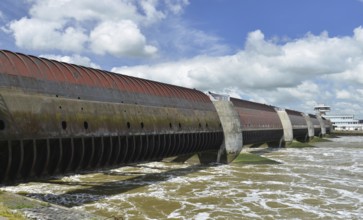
309 124
322 124
286 124
232 130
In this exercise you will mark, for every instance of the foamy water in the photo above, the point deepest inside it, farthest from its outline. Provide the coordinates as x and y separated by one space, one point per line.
324 182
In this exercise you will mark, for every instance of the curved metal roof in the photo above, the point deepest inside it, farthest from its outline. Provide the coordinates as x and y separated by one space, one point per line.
50 70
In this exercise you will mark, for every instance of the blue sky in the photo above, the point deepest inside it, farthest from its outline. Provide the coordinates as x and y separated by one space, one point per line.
233 19
292 54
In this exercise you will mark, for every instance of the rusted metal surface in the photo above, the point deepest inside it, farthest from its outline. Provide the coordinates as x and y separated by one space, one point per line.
256 116
58 118
316 123
260 122
299 125
328 125
68 80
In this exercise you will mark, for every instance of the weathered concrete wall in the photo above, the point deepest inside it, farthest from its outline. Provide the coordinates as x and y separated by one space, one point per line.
43 135
322 124
286 124
232 130
45 116
310 125
328 125
260 122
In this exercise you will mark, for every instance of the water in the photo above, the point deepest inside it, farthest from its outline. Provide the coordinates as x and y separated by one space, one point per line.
325 182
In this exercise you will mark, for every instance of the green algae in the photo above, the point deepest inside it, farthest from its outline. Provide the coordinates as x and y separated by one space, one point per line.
15 202
318 139
297 144
9 214
8 208
250 158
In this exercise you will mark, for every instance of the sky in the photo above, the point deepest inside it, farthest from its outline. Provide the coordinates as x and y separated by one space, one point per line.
290 54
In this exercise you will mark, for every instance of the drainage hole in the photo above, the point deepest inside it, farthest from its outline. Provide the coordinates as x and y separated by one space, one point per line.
142 124
2 125
206 125
85 125
128 125
180 125
200 125
170 125
64 125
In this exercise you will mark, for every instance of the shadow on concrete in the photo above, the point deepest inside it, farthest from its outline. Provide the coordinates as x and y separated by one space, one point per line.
262 151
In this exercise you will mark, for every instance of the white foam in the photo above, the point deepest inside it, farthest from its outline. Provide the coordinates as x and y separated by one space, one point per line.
312 181
202 216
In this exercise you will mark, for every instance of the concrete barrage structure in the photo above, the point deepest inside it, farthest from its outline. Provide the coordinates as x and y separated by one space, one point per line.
58 118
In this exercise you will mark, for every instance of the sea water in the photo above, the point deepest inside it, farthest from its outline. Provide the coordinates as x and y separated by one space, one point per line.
324 182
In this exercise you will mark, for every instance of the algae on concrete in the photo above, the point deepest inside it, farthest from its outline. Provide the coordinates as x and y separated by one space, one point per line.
9 214
11 205
318 139
17 207
249 158
298 144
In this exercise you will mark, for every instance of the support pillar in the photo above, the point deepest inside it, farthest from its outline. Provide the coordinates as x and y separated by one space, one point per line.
322 124
286 124
310 125
232 130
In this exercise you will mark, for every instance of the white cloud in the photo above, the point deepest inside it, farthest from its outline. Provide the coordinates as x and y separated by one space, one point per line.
293 73
360 92
46 35
262 65
176 6
188 40
313 69
75 59
348 107
149 8
136 28
119 38
343 94
84 10
2 17
77 26
307 90
353 74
